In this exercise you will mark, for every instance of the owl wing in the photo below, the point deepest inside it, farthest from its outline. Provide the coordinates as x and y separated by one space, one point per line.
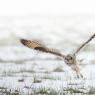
84 44
38 46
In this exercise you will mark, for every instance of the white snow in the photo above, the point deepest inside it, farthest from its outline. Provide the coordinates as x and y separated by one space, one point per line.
64 33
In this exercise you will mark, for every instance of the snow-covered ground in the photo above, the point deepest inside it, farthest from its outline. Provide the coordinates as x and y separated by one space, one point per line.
29 71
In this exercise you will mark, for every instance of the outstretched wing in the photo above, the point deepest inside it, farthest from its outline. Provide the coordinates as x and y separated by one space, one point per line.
84 44
38 46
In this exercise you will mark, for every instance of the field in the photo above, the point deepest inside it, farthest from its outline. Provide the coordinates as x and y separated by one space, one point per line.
24 71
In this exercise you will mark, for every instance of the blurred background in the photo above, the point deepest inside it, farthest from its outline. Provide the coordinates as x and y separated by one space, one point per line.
60 24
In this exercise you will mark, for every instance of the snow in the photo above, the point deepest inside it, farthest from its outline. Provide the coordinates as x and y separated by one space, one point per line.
20 63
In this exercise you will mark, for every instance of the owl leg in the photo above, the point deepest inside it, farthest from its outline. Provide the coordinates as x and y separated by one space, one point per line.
79 75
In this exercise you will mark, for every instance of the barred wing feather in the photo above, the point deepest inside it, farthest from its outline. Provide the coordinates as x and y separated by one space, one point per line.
38 46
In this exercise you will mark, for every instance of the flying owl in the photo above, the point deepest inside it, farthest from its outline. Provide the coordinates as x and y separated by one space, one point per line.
69 59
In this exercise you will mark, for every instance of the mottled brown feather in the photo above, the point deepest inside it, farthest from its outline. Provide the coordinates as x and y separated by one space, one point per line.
38 46
84 44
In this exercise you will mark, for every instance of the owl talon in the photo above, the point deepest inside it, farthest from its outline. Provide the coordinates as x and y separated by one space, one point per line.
80 76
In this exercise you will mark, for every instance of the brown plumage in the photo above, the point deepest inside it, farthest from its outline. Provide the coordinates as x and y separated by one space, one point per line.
84 44
38 46
69 59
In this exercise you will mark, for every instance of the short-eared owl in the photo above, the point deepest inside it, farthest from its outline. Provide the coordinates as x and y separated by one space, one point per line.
69 59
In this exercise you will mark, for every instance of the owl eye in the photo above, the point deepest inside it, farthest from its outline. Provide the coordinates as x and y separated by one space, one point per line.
65 58
71 58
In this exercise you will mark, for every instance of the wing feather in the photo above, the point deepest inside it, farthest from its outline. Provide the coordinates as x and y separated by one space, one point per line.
84 44
38 46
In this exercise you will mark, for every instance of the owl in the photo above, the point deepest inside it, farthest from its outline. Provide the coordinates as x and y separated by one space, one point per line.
69 59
